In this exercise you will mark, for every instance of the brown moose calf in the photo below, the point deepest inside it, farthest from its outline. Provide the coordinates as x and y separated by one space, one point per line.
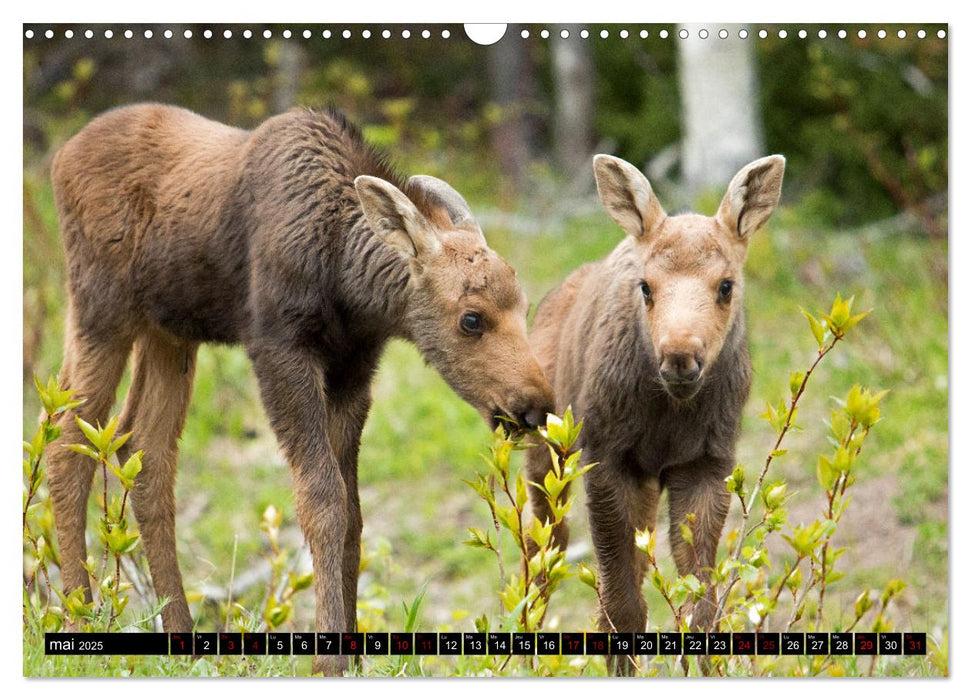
649 346
298 241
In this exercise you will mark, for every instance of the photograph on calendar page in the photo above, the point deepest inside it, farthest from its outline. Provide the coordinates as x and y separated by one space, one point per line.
443 350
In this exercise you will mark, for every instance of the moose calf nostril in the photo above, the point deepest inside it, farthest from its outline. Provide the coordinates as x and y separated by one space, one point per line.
680 367
528 419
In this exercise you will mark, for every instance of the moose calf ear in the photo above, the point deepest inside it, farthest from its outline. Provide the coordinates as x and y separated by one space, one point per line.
394 218
752 195
627 195
439 195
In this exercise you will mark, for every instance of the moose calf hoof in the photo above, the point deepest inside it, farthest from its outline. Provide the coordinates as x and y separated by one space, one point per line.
330 665
621 666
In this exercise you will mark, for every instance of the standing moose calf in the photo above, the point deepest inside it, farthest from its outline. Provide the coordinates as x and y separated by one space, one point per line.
649 347
300 242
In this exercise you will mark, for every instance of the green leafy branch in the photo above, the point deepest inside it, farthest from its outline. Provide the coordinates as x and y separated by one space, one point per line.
828 331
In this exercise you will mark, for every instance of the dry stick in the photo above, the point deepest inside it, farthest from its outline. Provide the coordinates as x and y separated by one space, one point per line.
523 552
747 509
498 548
826 660
841 485
232 576
275 579
42 565
112 616
104 474
778 591
104 507
544 592
796 604
610 622
31 492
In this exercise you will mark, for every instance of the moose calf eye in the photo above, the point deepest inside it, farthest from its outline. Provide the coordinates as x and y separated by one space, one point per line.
646 291
725 290
471 323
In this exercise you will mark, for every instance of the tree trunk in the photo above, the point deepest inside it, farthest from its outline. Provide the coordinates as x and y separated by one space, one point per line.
573 82
512 86
286 85
722 119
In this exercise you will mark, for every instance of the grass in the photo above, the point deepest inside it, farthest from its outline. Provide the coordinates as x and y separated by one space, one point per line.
420 441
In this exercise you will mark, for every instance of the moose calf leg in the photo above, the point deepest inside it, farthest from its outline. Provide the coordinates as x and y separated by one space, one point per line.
293 390
155 412
345 421
619 506
698 488
93 369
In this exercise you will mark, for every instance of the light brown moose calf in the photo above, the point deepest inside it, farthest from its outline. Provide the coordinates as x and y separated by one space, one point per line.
649 346
300 242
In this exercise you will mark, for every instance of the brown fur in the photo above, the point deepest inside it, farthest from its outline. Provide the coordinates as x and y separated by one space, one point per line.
659 381
301 243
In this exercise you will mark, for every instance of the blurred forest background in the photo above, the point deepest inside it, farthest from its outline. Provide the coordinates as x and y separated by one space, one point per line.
861 120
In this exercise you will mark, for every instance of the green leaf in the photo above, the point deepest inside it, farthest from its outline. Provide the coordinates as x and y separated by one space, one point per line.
521 495
774 495
893 588
587 576
794 581
657 580
106 435
133 467
735 482
85 450
480 539
853 320
817 328
561 508
277 613
557 432
75 606
53 619
826 474
90 432
540 533
120 541
53 399
795 382
35 448
508 518
696 587
411 612
552 486
481 623
299 582
686 533
645 540
116 444
839 314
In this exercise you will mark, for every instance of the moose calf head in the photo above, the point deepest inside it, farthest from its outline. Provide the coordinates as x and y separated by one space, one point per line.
465 311
689 267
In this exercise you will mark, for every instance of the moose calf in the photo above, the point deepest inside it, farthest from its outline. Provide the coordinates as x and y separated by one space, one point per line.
649 346
300 242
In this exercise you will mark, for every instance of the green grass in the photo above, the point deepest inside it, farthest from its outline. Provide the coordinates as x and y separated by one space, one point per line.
421 441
